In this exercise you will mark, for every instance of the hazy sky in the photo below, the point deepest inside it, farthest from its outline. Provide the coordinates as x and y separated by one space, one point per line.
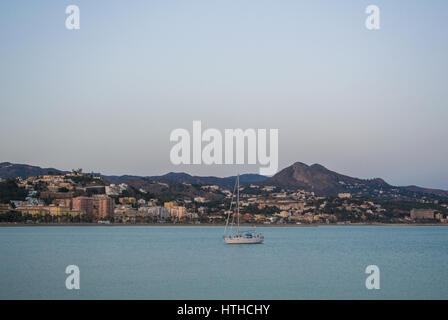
106 97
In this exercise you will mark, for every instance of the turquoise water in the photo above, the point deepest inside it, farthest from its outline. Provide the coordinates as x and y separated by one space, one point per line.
194 263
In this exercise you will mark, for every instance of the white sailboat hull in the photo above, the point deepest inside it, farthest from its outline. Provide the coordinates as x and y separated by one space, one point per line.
243 240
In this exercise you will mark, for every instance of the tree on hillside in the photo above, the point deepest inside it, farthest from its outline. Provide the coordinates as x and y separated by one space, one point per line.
9 190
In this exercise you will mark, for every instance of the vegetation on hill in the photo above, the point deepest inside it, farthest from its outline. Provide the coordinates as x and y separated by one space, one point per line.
9 190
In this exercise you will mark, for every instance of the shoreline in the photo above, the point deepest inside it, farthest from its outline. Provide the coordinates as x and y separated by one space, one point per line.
217 225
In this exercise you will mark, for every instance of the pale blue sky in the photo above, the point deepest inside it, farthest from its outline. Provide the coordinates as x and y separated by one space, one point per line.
106 97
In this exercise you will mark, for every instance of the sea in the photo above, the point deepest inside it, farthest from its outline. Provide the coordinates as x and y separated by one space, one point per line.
193 262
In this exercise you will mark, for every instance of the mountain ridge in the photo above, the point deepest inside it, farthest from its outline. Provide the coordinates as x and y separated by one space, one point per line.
16 170
315 177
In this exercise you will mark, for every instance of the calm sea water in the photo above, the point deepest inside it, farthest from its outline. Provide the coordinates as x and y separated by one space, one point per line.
194 263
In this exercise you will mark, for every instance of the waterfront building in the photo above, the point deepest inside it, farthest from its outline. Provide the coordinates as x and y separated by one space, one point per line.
177 212
103 206
422 214
49 210
83 204
5 207
161 213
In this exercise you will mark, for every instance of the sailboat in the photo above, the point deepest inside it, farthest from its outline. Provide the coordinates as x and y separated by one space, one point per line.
239 237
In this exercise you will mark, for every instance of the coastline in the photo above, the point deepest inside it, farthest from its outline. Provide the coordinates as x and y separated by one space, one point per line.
217 225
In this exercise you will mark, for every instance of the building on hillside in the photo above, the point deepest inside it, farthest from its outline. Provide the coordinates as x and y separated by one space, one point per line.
200 200
56 195
288 205
422 214
95 190
169 204
283 214
127 200
210 187
63 202
5 207
112 190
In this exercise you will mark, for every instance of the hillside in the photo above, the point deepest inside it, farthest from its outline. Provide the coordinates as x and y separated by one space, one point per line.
314 178
325 182
12 170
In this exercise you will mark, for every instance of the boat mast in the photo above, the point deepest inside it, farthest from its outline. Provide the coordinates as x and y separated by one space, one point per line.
230 210
238 202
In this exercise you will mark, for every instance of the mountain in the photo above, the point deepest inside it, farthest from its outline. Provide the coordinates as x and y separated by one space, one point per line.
12 170
325 182
319 179
227 182
439 192
119 179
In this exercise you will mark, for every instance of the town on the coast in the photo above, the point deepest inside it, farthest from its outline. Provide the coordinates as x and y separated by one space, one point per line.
77 197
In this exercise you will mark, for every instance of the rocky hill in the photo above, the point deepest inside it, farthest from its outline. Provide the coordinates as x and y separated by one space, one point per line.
13 170
325 182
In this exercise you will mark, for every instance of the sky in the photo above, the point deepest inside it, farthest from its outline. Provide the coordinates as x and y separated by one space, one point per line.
105 98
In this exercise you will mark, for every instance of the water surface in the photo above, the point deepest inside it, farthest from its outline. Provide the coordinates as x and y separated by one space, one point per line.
166 262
